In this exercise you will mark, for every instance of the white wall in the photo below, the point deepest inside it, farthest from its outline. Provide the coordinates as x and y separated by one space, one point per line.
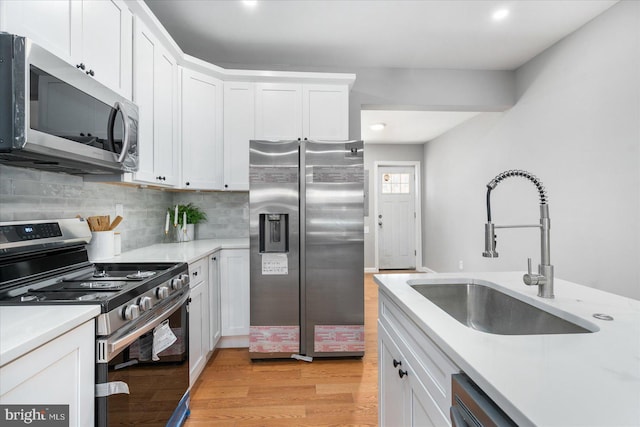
576 125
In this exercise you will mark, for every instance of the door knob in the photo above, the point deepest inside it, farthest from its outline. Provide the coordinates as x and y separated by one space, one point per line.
380 223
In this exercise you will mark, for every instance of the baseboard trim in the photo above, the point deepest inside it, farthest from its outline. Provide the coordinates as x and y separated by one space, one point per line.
371 270
239 341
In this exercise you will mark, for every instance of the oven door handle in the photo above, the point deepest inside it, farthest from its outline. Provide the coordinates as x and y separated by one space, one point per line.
114 347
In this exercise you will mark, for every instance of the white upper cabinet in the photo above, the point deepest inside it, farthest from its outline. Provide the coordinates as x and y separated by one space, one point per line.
201 126
239 129
106 43
290 111
95 36
278 111
155 93
325 112
54 25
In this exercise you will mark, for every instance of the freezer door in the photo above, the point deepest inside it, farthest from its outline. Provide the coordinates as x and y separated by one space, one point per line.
333 242
274 249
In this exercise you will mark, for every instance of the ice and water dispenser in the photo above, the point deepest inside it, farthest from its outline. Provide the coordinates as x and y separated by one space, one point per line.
274 233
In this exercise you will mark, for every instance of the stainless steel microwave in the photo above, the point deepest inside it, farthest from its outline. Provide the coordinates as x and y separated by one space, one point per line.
57 117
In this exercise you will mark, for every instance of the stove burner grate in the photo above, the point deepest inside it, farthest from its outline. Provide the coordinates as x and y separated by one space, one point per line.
141 275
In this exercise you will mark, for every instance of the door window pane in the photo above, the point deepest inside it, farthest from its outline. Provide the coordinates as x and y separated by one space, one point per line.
395 183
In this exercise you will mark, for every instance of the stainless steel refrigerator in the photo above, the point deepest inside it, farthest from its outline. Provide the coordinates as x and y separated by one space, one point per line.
307 249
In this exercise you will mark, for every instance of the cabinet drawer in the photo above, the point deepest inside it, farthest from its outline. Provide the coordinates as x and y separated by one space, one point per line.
198 271
432 365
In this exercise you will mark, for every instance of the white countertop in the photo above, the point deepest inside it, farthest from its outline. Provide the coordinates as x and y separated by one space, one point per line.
179 252
590 379
25 328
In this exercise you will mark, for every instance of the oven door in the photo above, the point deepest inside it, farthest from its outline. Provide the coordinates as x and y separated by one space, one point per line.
135 386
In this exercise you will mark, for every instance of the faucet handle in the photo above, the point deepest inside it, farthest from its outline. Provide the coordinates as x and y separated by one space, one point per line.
531 279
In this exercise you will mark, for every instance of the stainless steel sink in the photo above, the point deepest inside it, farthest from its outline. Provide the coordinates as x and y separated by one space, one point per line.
486 309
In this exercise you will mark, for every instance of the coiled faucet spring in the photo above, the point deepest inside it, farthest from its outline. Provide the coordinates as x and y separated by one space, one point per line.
544 277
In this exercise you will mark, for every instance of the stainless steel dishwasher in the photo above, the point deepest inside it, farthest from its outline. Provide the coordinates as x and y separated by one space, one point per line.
471 407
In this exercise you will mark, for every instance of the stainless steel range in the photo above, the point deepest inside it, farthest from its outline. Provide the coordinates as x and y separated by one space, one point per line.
142 341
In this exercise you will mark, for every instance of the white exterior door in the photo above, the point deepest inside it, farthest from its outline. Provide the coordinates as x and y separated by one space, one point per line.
396 219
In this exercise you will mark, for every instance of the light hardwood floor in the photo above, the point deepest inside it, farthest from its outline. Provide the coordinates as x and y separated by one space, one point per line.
234 391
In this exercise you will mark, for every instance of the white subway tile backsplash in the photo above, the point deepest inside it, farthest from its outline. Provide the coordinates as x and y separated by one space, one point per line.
31 194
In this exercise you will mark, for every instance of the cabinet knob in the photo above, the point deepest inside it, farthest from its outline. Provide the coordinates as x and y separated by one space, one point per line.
396 363
195 273
214 258
226 186
81 66
402 373
186 183
91 73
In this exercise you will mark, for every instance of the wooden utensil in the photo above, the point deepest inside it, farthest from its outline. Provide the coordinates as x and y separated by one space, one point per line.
115 222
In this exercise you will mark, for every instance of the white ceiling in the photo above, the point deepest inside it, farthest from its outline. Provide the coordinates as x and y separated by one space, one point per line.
409 127
343 35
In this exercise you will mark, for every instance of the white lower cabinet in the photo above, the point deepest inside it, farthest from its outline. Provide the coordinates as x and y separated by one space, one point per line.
68 362
198 318
215 325
234 282
414 377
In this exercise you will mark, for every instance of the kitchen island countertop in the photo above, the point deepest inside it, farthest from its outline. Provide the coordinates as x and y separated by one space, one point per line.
588 379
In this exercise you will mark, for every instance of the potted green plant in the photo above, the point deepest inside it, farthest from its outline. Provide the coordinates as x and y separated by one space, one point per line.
189 212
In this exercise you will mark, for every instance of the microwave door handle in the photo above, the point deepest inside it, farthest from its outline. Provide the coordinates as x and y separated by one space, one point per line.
126 141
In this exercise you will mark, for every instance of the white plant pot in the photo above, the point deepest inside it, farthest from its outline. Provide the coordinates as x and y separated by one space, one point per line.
186 234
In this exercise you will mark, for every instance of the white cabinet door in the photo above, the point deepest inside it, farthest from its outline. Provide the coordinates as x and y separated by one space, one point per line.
143 96
60 372
201 131
234 280
325 112
93 34
165 121
392 408
278 111
215 328
155 93
106 43
403 398
293 111
239 129
53 24
198 318
197 358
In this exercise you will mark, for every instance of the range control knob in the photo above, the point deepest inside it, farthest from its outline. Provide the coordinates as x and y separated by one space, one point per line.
144 303
177 284
162 292
184 278
130 312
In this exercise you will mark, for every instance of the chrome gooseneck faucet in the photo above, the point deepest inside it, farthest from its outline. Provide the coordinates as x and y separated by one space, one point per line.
544 278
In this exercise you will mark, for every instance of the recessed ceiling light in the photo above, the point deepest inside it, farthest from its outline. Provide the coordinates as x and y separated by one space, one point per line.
377 126
250 3
500 14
